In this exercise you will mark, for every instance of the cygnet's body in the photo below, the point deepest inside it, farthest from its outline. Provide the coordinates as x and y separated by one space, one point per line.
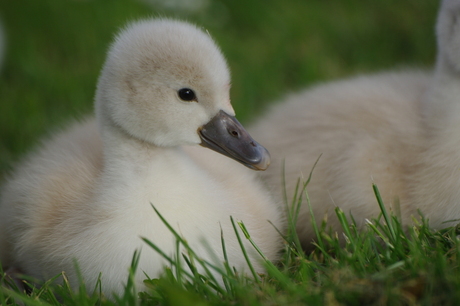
86 195
400 130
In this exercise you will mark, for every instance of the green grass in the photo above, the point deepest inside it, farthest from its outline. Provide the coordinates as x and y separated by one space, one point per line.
384 264
56 49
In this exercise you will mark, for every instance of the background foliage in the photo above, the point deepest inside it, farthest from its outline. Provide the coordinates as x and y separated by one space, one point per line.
55 50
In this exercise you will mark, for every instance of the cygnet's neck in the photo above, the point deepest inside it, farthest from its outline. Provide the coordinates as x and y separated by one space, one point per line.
123 151
441 103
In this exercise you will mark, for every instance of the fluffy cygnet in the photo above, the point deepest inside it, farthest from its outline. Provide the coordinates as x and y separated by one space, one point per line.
86 194
399 129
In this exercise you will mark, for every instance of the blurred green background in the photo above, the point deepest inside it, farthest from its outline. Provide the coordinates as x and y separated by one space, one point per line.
55 49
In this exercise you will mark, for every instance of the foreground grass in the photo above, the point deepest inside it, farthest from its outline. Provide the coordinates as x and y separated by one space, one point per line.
383 264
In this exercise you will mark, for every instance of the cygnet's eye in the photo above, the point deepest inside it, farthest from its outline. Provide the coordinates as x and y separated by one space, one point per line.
187 94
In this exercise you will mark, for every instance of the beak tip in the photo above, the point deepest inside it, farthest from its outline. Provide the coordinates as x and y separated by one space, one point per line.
264 162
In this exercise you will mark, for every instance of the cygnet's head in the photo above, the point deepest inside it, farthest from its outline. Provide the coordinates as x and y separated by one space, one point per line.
165 82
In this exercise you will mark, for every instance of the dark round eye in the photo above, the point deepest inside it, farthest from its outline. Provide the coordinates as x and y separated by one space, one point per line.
187 94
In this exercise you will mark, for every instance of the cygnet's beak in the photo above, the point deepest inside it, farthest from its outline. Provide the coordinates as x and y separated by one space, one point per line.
224 134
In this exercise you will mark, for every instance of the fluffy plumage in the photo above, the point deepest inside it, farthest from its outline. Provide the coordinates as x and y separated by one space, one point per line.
86 193
398 129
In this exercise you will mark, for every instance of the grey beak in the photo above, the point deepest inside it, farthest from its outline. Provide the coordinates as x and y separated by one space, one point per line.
224 134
